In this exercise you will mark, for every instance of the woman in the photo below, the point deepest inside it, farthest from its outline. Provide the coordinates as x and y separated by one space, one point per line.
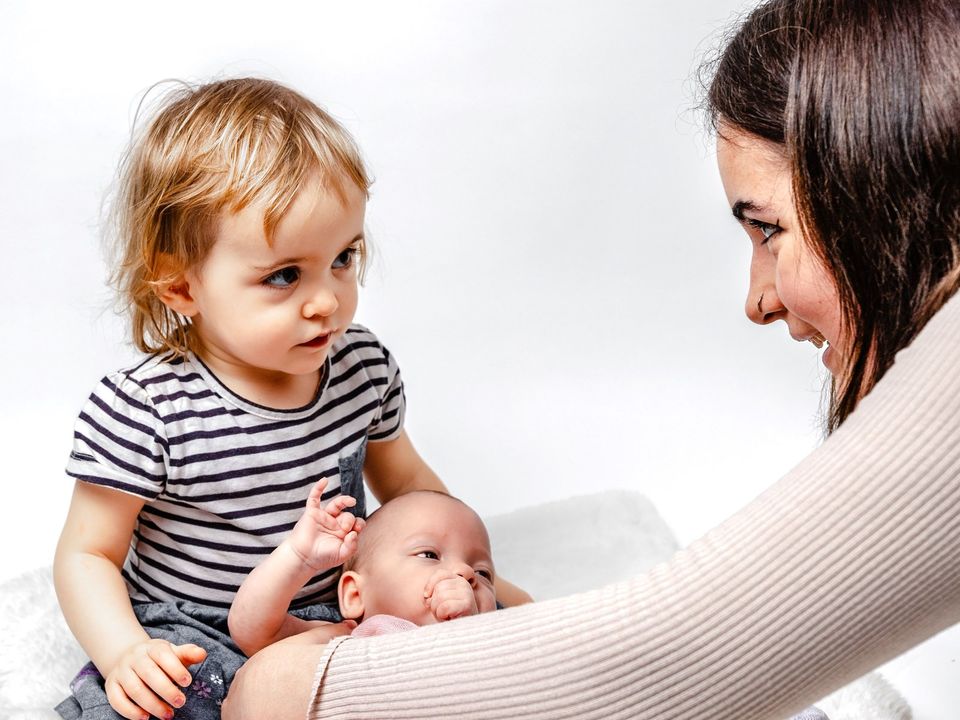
838 126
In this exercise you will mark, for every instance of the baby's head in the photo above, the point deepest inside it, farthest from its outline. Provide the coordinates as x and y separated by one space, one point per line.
212 156
403 544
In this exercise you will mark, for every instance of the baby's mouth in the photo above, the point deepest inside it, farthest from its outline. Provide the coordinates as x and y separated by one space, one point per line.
818 341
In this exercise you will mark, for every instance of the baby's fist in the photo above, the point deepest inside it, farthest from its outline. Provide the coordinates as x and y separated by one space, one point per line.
449 596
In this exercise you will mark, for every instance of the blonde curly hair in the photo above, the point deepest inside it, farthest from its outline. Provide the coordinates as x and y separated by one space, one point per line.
209 149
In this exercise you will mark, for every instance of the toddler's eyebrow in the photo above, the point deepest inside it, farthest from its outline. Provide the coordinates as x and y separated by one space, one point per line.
279 263
299 260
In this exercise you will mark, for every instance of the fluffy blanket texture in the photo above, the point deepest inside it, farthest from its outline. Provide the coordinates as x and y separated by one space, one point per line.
551 550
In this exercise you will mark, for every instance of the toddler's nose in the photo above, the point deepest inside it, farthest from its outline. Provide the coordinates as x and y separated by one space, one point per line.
321 303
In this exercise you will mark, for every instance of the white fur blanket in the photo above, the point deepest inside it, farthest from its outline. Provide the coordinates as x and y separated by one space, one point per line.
549 550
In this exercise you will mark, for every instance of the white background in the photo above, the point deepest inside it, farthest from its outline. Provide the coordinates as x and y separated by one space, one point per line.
556 268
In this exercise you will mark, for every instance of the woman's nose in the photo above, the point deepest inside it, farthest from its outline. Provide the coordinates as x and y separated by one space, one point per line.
763 304
322 302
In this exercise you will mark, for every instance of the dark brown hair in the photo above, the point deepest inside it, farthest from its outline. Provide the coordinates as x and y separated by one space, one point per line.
864 96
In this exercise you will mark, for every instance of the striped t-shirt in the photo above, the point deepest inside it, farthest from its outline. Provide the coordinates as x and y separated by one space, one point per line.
225 479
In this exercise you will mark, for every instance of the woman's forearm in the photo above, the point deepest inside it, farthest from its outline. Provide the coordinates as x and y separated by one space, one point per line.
849 560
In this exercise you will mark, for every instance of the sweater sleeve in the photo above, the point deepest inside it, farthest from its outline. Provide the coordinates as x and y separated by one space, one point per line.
846 562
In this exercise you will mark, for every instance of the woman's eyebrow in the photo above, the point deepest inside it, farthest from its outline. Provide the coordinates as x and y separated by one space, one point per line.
742 206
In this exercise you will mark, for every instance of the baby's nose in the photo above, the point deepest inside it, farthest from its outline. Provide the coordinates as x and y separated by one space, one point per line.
467 573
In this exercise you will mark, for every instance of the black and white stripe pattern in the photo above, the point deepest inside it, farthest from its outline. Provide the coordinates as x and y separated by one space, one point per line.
226 479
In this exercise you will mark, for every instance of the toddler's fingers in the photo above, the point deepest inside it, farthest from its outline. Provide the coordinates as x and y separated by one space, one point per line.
143 696
171 664
122 704
189 654
155 677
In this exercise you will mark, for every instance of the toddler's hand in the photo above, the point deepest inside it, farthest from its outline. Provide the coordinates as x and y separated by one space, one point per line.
144 680
325 535
449 596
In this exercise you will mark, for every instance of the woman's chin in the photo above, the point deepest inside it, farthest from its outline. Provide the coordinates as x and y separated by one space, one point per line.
828 358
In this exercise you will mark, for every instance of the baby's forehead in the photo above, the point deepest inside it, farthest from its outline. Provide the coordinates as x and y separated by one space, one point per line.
420 512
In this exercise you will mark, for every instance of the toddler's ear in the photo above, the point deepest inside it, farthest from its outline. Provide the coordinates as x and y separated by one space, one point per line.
350 595
173 287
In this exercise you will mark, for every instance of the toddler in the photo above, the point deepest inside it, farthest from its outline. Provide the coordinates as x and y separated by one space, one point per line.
423 557
240 230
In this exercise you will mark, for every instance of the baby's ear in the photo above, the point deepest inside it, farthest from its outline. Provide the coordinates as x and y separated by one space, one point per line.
351 596
173 287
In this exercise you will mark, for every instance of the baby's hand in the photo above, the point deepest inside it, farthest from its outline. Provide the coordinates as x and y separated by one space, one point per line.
144 681
325 536
449 596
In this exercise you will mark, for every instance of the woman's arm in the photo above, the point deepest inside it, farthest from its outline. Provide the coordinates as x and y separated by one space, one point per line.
849 560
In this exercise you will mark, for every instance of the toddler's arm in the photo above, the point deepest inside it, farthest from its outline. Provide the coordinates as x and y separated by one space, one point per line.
141 674
394 467
324 537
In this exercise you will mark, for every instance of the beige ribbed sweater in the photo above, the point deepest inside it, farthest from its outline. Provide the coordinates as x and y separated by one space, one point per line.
849 560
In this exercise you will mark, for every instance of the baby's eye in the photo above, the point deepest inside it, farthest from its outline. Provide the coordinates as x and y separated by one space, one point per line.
284 277
485 574
428 554
345 259
768 230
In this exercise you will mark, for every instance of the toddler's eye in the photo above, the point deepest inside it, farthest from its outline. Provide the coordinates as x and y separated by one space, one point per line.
428 554
345 259
284 277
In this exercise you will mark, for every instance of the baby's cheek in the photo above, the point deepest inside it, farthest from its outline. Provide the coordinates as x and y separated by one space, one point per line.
487 602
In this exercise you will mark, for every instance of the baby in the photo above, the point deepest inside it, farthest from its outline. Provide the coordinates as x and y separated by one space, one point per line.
423 557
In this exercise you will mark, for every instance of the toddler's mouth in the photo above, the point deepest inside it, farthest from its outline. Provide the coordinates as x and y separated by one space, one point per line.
318 342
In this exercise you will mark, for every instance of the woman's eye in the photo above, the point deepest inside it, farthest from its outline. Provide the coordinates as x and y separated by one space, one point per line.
284 277
485 574
345 259
767 230
428 554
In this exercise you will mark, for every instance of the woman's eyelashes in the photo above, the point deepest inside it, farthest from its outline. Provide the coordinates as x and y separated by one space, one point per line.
283 278
767 230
